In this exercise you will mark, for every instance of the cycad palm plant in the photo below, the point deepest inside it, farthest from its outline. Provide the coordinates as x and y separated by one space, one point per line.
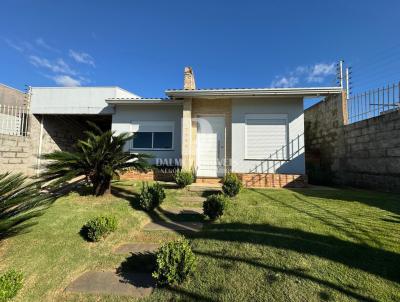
19 201
99 158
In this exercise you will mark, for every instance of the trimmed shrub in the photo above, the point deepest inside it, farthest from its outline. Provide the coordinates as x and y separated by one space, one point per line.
151 196
231 185
184 178
214 206
99 227
174 262
10 284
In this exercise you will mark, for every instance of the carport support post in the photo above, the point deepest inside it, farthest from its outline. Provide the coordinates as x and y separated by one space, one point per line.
40 146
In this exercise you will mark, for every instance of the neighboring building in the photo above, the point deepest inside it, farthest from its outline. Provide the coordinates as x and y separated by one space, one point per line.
257 133
11 97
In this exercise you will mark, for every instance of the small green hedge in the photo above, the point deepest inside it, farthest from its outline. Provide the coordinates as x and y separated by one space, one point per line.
99 227
175 260
214 206
231 185
10 284
151 196
184 178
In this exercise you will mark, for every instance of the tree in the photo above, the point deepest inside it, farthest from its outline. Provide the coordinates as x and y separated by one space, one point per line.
20 200
99 158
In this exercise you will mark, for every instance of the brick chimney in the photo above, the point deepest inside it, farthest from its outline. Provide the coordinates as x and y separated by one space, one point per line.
188 81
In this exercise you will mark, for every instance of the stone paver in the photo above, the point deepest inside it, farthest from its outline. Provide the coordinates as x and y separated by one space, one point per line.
109 282
202 188
184 211
191 198
135 248
173 226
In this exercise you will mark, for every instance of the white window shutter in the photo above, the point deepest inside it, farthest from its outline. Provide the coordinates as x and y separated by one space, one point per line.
266 136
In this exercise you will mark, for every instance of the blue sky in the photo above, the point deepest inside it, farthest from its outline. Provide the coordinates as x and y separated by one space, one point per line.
143 46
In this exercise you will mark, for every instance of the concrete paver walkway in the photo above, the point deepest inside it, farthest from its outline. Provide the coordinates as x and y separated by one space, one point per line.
134 278
134 248
110 282
191 198
173 226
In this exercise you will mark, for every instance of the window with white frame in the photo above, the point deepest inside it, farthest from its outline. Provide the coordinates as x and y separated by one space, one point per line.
266 136
152 135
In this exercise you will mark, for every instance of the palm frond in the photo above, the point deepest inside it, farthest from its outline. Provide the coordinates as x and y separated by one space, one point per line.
18 199
98 157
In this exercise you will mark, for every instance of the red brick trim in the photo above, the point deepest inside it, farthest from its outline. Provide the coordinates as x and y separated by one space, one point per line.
148 176
249 180
270 180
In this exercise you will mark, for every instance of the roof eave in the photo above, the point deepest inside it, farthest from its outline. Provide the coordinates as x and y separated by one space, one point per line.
299 92
128 101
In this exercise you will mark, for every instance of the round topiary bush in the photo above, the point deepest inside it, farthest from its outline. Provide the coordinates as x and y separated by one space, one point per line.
214 206
174 262
10 284
99 228
184 178
231 185
151 196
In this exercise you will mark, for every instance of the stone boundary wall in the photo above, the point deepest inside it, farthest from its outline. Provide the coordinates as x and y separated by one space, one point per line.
20 153
365 154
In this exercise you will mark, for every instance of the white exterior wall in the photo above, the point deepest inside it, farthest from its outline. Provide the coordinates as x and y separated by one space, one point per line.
126 114
75 100
293 107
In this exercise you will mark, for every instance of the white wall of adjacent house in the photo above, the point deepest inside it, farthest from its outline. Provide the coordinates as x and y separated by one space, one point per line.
268 135
75 100
157 130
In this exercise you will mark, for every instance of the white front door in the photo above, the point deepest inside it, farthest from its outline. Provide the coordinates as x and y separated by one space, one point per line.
210 146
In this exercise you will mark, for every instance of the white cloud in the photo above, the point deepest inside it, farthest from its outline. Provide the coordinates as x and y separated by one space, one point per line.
319 72
284 82
59 66
56 69
67 81
13 45
82 57
42 43
316 73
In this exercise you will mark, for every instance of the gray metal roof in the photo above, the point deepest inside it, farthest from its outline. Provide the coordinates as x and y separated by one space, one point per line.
249 92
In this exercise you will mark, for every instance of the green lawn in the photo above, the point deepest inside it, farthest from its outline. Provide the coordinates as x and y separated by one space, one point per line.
271 245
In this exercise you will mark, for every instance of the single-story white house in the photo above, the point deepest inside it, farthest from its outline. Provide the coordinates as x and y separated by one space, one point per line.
255 132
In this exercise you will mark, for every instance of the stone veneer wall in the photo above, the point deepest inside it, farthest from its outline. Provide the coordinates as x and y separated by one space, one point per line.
217 107
365 154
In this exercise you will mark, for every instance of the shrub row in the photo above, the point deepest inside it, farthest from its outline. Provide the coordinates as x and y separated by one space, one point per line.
176 260
214 205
